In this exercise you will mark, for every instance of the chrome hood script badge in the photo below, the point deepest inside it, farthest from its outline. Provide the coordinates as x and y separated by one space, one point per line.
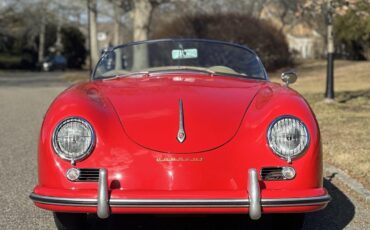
181 133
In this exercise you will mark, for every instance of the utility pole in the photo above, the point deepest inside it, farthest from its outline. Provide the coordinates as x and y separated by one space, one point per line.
329 93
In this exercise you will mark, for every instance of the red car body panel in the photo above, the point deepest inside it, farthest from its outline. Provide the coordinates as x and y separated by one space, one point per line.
136 121
214 108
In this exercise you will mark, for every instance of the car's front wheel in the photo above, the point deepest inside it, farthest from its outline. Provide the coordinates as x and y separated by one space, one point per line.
70 221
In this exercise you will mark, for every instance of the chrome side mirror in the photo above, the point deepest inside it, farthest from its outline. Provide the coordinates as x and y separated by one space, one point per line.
289 77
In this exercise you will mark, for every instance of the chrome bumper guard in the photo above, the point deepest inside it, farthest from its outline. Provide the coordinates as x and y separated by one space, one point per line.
254 203
103 201
254 195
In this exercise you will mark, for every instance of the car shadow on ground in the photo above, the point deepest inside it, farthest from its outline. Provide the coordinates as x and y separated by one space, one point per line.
337 215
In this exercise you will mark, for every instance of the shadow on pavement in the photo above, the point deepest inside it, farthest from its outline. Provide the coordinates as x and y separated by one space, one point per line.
337 215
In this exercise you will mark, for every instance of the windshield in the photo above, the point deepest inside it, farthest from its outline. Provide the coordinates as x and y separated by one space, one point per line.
185 55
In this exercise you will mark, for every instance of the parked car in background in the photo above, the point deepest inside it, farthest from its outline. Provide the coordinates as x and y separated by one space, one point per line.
56 62
180 126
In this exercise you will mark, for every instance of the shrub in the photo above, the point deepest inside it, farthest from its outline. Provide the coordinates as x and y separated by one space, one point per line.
268 42
73 46
352 32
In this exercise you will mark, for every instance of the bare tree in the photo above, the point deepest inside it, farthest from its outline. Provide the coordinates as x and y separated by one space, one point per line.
117 25
92 13
42 31
120 7
142 13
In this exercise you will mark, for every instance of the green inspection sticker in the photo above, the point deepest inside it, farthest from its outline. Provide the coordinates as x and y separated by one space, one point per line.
184 54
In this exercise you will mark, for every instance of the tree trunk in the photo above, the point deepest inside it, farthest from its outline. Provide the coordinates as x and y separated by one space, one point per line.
41 40
94 53
366 51
58 42
142 12
117 23
42 33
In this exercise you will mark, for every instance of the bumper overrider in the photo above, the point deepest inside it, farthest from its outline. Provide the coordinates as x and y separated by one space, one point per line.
254 202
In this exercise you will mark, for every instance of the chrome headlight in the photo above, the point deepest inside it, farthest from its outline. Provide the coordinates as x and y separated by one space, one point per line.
73 139
288 137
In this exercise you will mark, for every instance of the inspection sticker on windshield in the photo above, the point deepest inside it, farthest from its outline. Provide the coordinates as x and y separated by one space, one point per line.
184 54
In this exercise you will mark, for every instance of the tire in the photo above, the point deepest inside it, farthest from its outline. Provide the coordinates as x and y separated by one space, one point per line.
70 221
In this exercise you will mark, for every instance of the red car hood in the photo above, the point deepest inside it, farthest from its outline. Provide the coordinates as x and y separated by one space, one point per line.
148 106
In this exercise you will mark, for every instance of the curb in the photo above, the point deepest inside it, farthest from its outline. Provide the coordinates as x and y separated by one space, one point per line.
348 181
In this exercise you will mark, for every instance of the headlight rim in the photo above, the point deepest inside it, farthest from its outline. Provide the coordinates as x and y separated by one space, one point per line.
55 144
268 137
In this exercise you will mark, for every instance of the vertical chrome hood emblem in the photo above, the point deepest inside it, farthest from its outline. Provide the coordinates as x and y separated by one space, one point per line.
181 133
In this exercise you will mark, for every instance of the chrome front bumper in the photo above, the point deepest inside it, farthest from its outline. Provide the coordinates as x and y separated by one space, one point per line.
254 203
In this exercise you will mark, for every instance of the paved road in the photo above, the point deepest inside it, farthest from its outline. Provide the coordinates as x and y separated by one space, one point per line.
24 98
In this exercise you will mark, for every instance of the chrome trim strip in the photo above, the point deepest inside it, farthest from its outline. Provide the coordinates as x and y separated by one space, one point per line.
254 195
281 202
180 202
166 203
181 135
103 200
64 201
